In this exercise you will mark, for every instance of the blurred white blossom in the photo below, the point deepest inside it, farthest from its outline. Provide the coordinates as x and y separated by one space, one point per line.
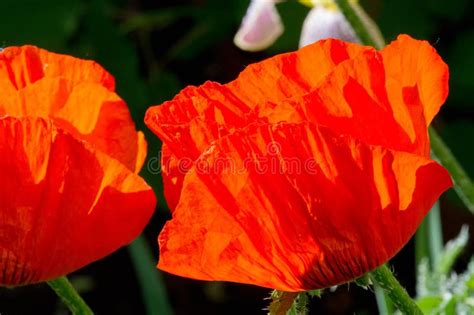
262 24
325 20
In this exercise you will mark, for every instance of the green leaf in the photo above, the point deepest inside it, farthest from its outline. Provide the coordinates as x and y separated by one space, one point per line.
441 291
452 251
313 293
429 304
364 281
448 307
469 276
424 281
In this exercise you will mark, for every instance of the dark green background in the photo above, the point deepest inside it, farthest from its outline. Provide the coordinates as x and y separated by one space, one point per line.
155 48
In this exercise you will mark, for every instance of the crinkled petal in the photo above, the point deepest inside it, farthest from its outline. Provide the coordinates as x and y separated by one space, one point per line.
353 100
416 74
199 115
63 203
77 94
296 207
261 26
352 89
212 110
356 127
22 66
322 23
369 98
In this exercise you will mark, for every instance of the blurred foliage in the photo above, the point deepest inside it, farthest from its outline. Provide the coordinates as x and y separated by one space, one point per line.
442 291
50 26
156 47
292 15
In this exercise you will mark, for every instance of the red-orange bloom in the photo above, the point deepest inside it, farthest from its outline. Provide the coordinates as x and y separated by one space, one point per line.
69 157
308 170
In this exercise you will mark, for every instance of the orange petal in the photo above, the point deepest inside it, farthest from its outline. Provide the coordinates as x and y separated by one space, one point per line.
213 109
354 90
244 214
199 115
296 207
353 100
416 74
22 66
173 171
77 94
370 98
292 74
64 204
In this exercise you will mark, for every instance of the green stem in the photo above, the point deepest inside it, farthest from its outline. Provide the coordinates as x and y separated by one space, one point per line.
69 296
462 183
153 289
365 29
429 237
435 234
383 277
422 246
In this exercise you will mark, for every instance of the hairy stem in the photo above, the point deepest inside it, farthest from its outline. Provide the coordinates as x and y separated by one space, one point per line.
366 30
384 278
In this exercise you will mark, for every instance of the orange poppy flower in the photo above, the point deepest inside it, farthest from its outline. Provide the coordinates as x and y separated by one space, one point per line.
70 153
309 170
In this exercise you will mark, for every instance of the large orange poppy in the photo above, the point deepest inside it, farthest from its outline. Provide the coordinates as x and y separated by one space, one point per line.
309 170
69 157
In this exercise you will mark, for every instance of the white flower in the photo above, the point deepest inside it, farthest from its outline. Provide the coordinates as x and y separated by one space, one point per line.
260 27
325 20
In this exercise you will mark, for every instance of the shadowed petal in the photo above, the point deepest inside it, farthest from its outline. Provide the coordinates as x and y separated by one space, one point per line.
199 115
308 170
77 94
425 83
63 203
321 210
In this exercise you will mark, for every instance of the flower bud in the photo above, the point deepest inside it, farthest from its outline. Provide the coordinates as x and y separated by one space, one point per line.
260 28
325 20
